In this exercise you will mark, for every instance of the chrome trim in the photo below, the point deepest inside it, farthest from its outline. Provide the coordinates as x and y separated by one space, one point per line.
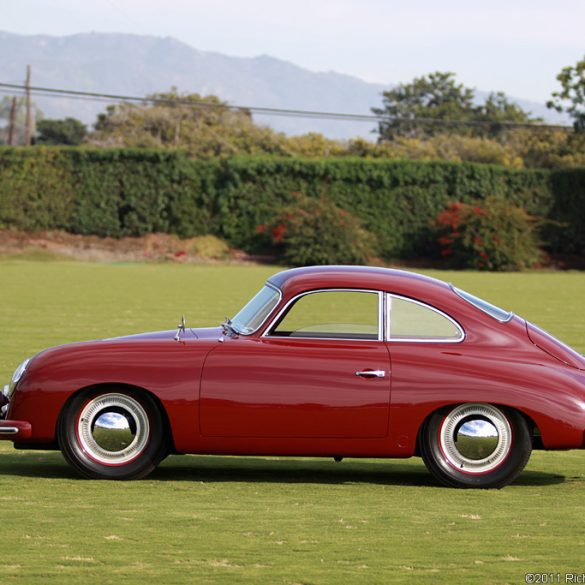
9 430
475 459
458 293
389 337
381 322
93 438
320 290
16 377
371 374
274 287
181 329
387 313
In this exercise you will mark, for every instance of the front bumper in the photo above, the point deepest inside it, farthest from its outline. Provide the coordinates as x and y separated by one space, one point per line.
12 430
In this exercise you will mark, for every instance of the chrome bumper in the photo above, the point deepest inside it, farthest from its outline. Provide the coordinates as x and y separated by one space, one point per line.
12 429
4 400
15 429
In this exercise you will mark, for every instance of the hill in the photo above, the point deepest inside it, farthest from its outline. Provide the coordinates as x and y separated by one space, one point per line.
138 65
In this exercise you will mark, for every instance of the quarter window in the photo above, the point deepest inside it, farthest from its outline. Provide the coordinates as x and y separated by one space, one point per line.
414 321
332 314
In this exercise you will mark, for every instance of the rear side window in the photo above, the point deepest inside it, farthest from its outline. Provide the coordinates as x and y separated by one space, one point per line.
412 320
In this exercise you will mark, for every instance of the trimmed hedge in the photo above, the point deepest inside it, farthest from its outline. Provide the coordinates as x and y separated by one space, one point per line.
121 192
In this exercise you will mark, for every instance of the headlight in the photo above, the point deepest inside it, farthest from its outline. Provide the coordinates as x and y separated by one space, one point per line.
9 390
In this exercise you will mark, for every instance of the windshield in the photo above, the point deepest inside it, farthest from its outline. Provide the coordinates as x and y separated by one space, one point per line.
484 306
251 317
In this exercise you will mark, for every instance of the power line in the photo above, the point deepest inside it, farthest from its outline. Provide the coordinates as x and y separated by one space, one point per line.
267 111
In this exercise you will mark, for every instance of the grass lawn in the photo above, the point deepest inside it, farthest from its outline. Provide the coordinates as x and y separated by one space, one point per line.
267 520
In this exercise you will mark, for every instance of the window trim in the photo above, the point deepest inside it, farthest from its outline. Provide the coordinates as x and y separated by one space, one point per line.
381 315
275 288
460 293
388 323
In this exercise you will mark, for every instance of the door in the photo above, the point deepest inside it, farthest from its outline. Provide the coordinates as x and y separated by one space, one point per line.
322 370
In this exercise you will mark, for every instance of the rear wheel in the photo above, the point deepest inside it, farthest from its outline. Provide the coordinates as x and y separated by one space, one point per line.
475 445
112 434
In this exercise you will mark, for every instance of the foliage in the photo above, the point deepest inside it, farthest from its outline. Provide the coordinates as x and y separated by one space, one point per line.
571 97
314 145
36 190
209 247
546 148
493 236
119 193
68 132
316 231
204 126
437 104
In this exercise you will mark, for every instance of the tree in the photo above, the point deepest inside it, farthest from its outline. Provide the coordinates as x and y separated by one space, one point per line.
203 125
436 104
411 109
571 97
69 132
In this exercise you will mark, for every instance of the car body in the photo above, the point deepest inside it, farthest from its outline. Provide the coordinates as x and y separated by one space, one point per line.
332 361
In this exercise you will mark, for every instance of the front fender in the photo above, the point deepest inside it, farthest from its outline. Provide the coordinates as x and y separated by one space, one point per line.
168 369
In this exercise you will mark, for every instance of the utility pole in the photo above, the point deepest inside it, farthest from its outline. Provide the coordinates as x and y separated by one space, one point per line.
12 122
29 119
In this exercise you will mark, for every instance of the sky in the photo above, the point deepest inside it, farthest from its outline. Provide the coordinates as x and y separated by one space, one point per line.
515 46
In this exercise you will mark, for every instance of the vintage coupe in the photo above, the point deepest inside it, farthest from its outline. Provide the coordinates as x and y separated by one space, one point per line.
324 361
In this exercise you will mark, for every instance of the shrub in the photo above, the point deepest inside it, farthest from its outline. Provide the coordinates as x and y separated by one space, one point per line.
493 236
316 231
209 247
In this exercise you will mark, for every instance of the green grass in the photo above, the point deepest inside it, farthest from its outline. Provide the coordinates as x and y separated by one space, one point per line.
267 520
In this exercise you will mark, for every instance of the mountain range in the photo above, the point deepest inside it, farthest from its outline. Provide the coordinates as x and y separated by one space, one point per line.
137 65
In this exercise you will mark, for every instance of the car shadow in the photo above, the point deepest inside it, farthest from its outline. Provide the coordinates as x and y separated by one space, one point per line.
214 469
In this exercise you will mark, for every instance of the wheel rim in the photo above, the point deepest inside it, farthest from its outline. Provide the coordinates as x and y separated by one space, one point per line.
475 438
113 429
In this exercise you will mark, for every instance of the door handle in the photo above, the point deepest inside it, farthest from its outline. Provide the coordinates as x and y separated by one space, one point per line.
371 374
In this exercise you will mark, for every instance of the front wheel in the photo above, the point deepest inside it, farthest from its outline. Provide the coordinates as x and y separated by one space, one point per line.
475 445
112 434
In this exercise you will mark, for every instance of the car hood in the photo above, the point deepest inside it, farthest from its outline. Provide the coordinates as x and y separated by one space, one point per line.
200 333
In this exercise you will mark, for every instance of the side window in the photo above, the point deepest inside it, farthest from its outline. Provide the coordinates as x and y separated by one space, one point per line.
332 314
414 321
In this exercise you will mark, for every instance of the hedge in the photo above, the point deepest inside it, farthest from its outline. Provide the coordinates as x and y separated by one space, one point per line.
121 192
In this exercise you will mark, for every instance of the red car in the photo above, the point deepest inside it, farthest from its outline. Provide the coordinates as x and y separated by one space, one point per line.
323 361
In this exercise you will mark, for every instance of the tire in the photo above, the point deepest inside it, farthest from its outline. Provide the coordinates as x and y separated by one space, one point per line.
475 445
112 434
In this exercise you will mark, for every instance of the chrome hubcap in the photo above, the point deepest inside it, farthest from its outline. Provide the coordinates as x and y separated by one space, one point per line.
113 429
475 438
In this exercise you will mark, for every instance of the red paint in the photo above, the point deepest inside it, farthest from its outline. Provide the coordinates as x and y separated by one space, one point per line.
292 396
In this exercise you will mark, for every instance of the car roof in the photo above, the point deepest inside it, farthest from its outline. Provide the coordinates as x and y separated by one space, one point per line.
296 280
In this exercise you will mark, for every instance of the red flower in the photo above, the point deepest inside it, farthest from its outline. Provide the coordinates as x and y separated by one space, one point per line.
261 228
180 254
478 241
278 232
484 255
446 252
